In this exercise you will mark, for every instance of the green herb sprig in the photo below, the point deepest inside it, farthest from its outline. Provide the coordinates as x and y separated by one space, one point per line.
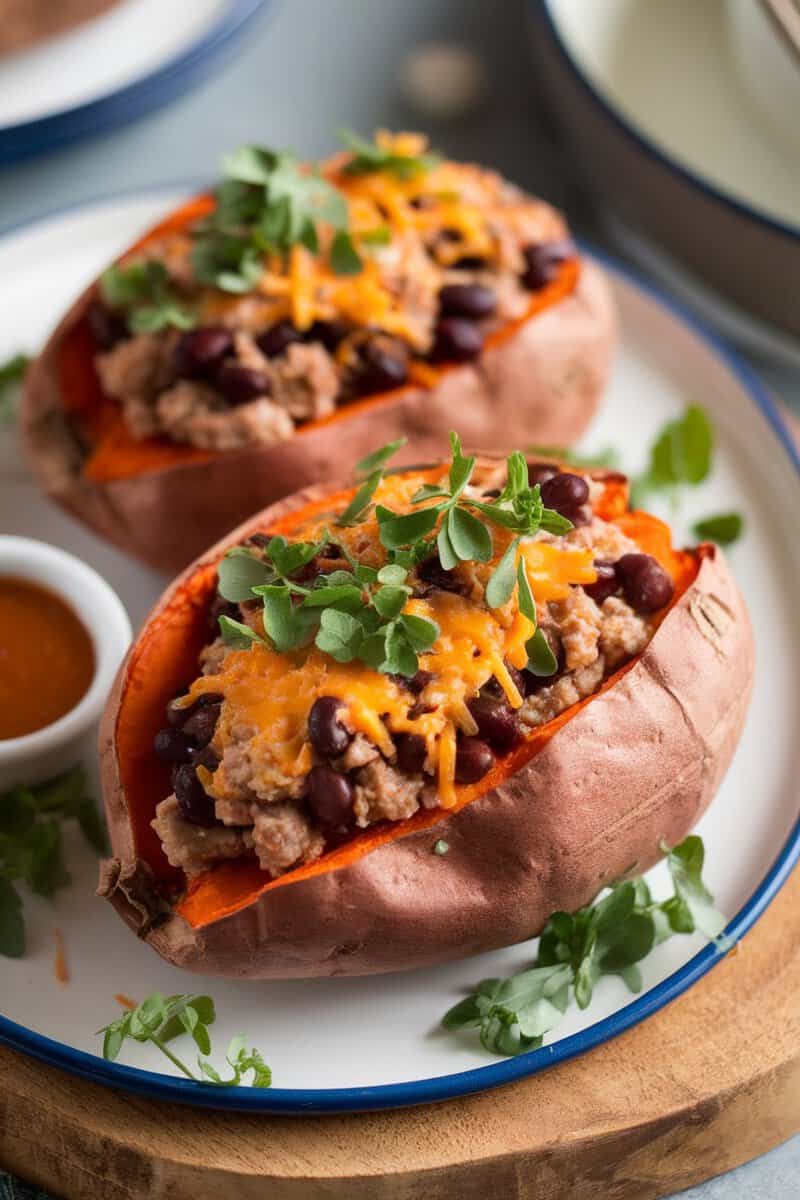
159 1019
349 614
368 157
609 937
267 203
682 456
144 293
722 528
32 847
12 373
358 613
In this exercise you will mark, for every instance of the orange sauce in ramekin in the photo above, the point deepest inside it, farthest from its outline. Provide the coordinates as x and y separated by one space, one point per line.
46 657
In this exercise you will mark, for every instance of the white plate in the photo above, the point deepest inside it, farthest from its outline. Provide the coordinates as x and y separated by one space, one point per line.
361 1043
668 69
133 58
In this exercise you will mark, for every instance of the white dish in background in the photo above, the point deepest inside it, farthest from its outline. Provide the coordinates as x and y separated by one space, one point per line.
361 1043
769 66
669 71
133 58
649 93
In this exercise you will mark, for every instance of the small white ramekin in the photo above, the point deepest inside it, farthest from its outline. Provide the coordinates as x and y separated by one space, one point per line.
55 748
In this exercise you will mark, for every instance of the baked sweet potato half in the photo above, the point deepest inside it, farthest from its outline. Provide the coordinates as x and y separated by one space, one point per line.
264 338
378 729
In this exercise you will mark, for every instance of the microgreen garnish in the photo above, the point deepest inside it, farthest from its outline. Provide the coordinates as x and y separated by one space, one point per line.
159 1019
142 290
348 614
541 660
12 373
368 157
722 528
681 454
267 203
608 937
358 614
32 849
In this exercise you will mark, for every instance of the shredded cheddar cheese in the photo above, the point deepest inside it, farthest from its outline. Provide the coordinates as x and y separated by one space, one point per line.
268 695
432 219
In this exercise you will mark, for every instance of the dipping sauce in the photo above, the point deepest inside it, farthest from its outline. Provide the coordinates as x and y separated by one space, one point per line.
46 657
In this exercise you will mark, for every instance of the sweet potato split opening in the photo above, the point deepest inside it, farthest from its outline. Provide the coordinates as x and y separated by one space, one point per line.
113 452
165 661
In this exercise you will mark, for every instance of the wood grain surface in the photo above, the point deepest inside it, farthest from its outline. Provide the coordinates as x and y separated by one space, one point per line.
706 1084
709 1082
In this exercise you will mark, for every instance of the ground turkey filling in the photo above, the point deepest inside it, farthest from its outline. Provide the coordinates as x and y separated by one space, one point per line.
235 795
464 252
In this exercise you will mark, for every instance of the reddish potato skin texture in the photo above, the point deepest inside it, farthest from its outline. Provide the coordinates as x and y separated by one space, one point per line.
637 764
540 384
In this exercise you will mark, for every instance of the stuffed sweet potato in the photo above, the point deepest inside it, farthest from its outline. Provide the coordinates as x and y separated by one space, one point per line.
382 728
262 339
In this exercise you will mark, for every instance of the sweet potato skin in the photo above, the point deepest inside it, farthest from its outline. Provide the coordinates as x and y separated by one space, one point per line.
638 763
541 384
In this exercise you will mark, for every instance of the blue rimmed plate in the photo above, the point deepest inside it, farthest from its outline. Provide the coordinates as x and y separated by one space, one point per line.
339 1045
135 58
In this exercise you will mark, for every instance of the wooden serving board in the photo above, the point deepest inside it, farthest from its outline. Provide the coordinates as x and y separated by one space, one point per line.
709 1082
706 1084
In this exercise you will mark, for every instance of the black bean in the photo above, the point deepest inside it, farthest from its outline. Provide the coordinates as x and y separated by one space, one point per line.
260 539
380 369
471 300
565 492
194 803
220 607
645 584
411 752
239 384
606 583
200 726
326 732
542 262
199 352
277 339
456 340
330 333
417 683
541 472
497 722
493 687
107 327
172 745
330 797
492 493
178 715
432 572
469 262
580 516
473 760
204 757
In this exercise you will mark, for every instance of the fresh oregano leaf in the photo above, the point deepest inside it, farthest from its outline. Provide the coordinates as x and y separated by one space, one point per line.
722 528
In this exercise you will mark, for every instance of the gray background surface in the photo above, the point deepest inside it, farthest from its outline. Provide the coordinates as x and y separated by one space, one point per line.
307 67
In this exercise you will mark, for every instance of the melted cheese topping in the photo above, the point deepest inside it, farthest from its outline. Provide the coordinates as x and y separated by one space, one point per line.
269 695
435 218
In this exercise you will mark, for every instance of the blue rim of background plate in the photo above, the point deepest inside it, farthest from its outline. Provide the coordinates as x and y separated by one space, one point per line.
136 99
545 16
312 1101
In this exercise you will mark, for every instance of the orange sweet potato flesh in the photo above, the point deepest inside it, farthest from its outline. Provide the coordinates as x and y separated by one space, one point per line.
539 380
587 799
